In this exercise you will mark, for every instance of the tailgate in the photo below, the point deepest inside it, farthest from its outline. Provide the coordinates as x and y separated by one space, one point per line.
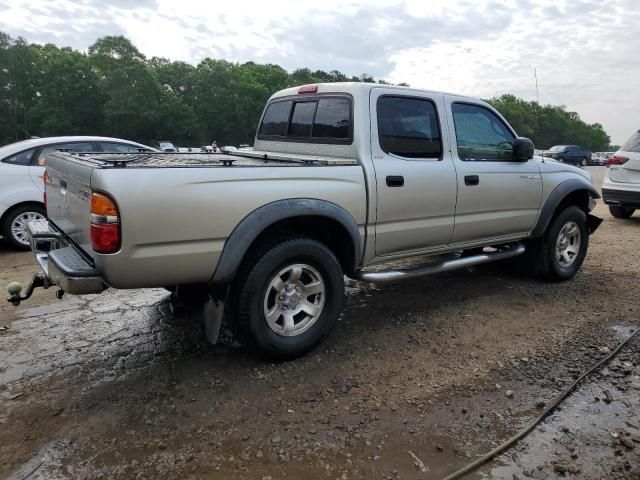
68 191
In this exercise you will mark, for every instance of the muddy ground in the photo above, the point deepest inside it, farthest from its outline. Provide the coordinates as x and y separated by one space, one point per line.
431 372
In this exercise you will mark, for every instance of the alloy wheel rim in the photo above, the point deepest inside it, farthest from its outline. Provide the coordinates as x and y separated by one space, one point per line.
294 300
568 244
20 223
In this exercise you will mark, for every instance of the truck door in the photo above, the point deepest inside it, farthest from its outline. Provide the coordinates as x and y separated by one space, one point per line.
498 198
415 176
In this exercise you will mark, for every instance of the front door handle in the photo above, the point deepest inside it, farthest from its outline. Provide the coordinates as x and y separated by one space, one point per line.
471 180
395 181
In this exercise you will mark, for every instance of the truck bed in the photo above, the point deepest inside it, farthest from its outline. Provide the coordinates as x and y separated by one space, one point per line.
200 160
177 210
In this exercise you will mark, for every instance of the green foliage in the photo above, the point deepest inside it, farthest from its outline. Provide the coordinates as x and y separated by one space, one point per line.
115 90
549 125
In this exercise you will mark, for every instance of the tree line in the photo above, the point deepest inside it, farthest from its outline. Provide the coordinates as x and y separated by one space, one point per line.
114 90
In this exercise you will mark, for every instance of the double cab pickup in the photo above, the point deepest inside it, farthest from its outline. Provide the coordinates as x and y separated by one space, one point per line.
343 177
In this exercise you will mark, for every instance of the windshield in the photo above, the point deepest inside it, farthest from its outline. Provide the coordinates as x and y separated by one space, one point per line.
557 148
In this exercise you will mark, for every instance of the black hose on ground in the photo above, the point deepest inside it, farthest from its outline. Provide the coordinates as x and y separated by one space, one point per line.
504 446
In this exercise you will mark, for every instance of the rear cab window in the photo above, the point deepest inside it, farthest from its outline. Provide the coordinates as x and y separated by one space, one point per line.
316 119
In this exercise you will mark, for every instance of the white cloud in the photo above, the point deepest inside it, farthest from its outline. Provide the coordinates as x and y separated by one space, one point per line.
585 51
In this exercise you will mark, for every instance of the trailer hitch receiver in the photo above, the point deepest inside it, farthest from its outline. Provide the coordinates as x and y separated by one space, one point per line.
15 288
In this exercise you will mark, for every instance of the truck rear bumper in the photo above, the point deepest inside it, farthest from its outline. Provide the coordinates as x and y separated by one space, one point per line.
61 263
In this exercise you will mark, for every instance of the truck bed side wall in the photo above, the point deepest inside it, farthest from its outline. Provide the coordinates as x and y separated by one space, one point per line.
175 221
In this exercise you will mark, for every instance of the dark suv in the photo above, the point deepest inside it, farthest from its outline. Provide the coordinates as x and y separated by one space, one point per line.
569 154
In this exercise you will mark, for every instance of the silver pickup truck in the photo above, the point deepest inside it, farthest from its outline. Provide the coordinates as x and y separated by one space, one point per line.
342 177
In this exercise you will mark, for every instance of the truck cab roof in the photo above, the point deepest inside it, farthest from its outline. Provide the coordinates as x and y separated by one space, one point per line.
355 89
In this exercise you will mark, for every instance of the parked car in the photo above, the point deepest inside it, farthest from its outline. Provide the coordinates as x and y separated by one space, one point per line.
343 176
621 187
167 147
569 154
595 160
21 172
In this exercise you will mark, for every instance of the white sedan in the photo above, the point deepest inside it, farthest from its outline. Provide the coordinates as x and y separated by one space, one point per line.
21 178
621 187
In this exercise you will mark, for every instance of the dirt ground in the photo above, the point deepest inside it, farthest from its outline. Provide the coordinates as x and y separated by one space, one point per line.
417 380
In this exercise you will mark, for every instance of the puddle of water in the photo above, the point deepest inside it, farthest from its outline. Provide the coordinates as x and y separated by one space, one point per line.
103 335
595 433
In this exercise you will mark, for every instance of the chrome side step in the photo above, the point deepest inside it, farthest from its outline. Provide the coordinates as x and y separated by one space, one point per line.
390 276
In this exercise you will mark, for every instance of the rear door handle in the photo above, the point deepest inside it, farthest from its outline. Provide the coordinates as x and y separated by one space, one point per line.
395 181
471 180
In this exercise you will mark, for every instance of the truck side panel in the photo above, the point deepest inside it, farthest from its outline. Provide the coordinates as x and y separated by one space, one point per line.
175 222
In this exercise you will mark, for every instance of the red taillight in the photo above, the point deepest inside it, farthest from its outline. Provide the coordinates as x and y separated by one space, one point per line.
308 89
105 238
616 160
105 224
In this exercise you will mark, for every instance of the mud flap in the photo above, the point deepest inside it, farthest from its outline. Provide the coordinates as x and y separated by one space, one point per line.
212 312
202 303
593 223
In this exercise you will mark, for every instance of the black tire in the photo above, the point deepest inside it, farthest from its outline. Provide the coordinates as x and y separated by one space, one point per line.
550 266
583 162
9 218
621 212
252 285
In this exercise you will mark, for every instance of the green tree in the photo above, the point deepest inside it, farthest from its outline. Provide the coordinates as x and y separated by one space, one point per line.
70 101
115 90
132 92
20 75
549 125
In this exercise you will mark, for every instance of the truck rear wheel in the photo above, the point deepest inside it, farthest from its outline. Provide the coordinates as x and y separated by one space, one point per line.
288 299
621 212
564 245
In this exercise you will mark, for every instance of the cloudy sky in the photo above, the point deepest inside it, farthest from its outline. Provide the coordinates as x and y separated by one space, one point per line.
586 52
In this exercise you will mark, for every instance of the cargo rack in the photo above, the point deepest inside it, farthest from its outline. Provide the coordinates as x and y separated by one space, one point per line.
203 159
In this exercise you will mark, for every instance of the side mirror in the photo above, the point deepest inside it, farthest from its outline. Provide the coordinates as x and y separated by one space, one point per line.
522 149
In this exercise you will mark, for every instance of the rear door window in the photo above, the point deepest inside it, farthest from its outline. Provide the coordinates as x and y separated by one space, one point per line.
121 148
23 158
633 144
68 147
408 127
480 134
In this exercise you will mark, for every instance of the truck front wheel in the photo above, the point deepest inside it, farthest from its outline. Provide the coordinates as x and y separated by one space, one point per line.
288 299
564 245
